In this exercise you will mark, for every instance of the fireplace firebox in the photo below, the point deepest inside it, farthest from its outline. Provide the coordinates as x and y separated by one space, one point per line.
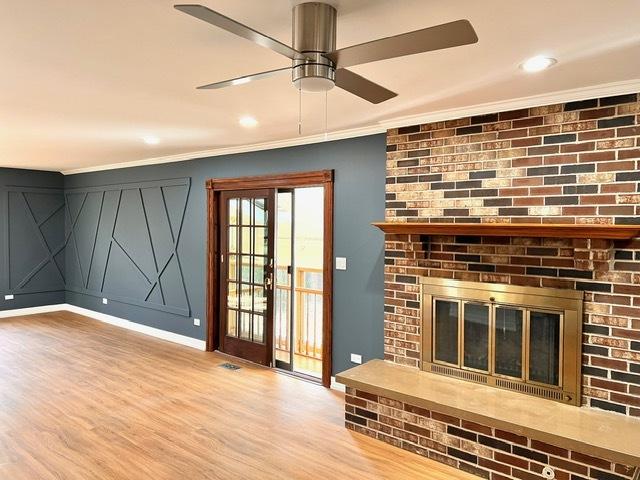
525 339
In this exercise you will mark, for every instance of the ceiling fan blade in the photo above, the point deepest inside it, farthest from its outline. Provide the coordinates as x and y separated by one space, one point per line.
214 18
447 35
363 88
244 79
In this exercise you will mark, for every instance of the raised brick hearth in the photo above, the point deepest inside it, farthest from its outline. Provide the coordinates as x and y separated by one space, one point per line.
479 449
577 162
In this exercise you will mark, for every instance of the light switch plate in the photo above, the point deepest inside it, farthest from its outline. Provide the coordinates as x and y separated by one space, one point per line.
355 358
105 301
8 297
196 322
341 263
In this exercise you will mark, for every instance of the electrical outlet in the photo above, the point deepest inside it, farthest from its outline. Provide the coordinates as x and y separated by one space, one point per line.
355 358
105 301
196 322
8 297
341 263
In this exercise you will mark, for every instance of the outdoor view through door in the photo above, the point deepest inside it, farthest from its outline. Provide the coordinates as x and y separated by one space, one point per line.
298 280
271 272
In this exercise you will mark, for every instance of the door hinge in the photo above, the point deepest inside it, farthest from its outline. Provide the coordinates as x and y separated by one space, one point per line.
222 258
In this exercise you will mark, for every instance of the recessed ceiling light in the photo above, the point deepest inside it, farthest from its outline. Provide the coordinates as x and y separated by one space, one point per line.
248 121
241 81
150 140
537 63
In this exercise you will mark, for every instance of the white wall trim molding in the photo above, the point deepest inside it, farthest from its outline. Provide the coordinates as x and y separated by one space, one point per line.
110 319
18 312
137 327
337 386
571 95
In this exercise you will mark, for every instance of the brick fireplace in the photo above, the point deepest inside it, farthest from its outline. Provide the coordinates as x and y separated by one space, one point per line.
572 163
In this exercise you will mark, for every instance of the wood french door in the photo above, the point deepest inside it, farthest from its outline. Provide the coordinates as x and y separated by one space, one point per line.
247 223
241 276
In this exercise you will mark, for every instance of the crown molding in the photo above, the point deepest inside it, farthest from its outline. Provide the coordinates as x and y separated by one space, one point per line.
255 147
572 95
552 98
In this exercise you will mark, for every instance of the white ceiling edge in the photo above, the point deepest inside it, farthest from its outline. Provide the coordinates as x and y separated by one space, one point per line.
572 95
255 147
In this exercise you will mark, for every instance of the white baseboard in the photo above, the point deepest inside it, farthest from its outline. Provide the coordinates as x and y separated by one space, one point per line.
337 386
17 312
110 319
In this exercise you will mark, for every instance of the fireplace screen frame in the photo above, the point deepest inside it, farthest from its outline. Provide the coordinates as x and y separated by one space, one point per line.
567 303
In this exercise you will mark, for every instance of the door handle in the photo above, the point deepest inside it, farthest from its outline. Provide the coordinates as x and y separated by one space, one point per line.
268 277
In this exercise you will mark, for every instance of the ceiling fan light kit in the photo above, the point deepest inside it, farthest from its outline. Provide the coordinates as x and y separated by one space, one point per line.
314 34
317 66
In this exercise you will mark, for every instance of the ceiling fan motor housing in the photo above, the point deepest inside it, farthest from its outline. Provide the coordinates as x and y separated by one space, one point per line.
314 33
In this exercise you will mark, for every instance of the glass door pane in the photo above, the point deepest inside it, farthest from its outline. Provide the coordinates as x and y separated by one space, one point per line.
544 347
476 336
299 280
247 273
308 261
508 341
446 331
283 293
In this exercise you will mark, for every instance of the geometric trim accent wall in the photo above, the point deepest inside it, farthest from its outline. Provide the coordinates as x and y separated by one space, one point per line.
122 243
33 243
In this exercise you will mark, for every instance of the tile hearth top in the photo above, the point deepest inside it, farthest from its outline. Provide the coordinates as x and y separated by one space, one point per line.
544 230
608 435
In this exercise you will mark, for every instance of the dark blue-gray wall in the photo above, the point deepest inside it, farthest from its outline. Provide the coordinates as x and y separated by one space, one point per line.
32 243
129 227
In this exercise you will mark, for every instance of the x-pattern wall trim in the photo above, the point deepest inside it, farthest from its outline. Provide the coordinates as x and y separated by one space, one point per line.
20 286
50 254
152 279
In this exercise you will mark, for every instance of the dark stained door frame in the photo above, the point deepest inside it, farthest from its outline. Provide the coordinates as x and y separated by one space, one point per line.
214 187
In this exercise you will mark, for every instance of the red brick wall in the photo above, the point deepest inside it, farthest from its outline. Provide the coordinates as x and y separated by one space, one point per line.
577 162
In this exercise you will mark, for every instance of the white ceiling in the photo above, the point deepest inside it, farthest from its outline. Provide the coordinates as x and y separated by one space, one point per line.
83 80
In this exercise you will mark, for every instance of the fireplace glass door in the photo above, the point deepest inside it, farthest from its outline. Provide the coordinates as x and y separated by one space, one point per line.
475 343
509 342
544 347
526 342
446 331
525 339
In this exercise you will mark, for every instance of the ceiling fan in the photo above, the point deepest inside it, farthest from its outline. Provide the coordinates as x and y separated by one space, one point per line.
316 64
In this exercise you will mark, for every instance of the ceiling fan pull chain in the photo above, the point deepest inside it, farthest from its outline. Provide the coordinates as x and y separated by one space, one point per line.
326 116
299 111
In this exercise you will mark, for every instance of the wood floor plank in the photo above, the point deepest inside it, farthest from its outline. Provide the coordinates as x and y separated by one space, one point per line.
84 400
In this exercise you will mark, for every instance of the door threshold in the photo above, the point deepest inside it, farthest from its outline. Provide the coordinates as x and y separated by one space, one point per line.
299 375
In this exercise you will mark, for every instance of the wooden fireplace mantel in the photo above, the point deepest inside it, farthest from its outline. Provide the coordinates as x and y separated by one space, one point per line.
546 230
